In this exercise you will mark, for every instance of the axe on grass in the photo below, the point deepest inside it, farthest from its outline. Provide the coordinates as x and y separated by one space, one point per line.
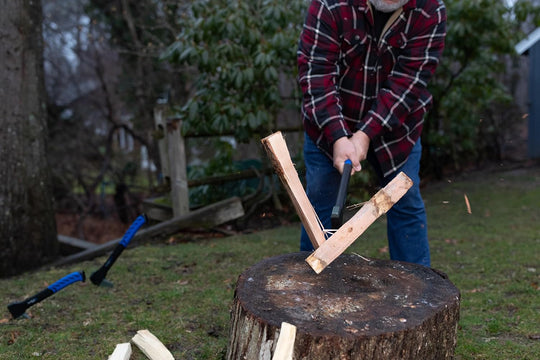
18 309
98 276
337 211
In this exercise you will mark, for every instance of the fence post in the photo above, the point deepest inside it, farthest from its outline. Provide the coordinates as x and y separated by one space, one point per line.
161 127
177 168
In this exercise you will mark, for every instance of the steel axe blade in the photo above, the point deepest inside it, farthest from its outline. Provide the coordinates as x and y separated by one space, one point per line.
98 276
337 211
18 309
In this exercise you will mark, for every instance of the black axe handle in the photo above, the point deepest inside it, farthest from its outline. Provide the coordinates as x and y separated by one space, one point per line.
18 308
98 276
337 211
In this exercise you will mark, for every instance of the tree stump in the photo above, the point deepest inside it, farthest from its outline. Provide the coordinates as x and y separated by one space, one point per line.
357 308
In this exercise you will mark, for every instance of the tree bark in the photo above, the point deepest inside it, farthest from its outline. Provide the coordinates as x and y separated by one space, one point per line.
357 308
27 224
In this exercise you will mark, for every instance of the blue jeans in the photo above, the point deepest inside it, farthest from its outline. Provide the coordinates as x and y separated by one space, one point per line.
406 220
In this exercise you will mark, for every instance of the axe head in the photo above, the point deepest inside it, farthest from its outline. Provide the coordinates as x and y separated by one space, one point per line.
18 309
98 278
337 211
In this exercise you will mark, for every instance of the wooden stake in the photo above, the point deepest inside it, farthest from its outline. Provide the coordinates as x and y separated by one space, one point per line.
281 159
121 352
177 169
285 343
379 204
151 346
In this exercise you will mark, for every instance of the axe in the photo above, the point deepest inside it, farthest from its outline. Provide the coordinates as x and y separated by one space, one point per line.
98 276
337 211
18 308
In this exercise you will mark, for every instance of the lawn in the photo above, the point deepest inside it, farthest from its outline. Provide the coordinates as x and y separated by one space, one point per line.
182 291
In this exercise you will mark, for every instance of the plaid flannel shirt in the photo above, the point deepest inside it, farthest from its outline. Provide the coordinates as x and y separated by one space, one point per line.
353 81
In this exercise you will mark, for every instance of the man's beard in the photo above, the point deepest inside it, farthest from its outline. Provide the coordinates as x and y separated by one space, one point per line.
384 6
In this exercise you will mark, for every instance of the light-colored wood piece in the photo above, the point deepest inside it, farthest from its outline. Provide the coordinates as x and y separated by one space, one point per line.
285 343
151 346
379 204
121 352
281 159
177 168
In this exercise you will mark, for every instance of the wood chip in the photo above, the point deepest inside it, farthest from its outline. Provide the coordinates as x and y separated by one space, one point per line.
151 346
121 352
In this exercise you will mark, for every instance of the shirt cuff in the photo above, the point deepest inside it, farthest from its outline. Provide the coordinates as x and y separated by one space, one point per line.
332 134
371 127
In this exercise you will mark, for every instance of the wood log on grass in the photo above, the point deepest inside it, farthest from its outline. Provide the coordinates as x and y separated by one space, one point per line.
150 345
357 308
121 352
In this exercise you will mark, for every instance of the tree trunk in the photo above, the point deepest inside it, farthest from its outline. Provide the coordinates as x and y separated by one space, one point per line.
27 224
357 308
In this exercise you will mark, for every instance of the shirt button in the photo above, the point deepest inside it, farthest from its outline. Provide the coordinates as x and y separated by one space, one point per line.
357 37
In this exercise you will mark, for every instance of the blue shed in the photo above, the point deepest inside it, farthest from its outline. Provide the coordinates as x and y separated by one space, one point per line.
531 46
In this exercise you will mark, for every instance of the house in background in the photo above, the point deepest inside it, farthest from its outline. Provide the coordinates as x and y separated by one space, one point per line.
531 46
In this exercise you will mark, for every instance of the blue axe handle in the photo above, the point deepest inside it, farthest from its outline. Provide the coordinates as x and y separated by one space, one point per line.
18 308
98 276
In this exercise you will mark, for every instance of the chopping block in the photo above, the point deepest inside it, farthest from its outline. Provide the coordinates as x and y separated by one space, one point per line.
358 308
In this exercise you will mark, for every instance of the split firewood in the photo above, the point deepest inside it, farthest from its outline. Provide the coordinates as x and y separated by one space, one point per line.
379 204
281 159
121 352
151 346
285 343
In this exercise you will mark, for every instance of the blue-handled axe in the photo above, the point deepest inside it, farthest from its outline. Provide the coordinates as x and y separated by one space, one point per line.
18 309
98 276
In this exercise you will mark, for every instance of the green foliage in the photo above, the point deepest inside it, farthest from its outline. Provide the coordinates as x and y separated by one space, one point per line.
239 50
480 38
220 164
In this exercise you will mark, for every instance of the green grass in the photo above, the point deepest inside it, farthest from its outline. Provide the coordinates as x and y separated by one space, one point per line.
182 292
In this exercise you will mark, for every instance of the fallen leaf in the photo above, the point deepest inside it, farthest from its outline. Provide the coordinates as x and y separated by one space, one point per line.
383 250
475 290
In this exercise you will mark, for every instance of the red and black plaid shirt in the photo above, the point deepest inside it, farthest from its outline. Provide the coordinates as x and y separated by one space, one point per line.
352 80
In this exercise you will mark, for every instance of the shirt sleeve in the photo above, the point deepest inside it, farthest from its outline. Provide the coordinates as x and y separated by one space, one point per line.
405 90
318 71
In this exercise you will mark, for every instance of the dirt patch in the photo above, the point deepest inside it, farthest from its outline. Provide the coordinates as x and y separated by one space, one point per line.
98 230
93 229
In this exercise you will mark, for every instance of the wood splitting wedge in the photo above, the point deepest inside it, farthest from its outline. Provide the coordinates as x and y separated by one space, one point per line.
18 309
98 276
337 211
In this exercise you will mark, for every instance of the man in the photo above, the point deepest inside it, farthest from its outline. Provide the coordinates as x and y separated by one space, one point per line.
363 68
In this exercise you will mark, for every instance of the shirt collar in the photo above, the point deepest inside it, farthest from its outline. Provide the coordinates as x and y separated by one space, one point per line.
363 4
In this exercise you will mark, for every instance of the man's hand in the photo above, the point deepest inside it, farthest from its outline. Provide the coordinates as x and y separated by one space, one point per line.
354 148
361 143
345 149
